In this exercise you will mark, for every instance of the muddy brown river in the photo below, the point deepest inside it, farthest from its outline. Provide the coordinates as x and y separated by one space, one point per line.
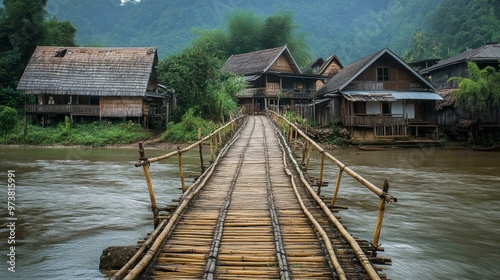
70 204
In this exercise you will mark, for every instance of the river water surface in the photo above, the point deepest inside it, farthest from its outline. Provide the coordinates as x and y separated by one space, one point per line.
73 203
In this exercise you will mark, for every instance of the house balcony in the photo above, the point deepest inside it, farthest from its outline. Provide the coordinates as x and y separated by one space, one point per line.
389 120
370 121
82 110
274 93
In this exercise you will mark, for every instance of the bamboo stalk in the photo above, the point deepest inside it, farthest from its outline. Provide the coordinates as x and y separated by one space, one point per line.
151 192
201 151
321 166
337 186
181 174
380 217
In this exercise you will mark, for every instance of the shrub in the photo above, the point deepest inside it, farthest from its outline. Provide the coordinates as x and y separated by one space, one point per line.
8 119
187 129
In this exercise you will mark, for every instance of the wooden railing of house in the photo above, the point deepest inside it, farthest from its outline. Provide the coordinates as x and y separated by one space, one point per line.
387 85
373 120
88 110
282 93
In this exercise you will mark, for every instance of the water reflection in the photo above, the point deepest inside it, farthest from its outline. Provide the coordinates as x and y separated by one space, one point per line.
73 203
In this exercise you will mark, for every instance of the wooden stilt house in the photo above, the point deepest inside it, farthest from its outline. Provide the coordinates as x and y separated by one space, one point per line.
95 83
380 97
274 81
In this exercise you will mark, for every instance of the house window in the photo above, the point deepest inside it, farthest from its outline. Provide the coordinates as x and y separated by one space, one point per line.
359 108
386 108
383 73
61 53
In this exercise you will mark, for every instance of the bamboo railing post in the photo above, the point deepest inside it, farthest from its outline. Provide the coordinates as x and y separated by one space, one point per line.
211 148
181 174
321 166
291 135
295 141
145 167
309 151
216 144
201 151
380 217
337 186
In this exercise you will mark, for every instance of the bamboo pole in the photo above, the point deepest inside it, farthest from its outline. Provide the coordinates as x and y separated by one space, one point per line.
211 148
201 151
145 167
321 166
181 174
337 186
309 151
380 218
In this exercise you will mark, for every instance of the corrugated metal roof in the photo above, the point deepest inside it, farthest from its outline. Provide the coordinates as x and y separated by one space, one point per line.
417 95
390 95
368 96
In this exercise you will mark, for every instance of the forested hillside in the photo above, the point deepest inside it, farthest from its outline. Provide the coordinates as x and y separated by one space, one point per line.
349 29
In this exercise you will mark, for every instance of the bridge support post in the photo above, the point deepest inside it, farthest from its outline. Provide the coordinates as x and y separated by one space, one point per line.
145 167
201 151
380 218
321 167
181 174
337 186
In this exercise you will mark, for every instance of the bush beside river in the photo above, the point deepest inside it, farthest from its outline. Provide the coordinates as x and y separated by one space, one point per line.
95 134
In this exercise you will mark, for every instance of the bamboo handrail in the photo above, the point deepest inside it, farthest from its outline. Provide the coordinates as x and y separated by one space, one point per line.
363 259
186 149
167 228
384 196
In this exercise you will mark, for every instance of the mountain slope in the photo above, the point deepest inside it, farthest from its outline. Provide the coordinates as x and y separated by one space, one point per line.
349 29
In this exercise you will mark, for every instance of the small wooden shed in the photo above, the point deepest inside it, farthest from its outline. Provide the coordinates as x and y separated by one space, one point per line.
95 82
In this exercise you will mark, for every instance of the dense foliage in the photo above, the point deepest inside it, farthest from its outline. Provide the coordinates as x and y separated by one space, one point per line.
23 26
198 84
187 129
95 134
246 32
455 26
348 29
480 90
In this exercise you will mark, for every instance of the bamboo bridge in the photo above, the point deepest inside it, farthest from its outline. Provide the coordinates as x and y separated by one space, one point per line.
255 213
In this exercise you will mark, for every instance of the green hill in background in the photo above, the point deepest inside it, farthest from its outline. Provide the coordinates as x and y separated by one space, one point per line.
349 29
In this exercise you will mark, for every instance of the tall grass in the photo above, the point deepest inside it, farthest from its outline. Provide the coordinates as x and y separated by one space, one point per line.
95 134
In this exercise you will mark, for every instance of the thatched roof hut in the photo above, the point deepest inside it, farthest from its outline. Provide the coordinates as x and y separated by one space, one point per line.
90 71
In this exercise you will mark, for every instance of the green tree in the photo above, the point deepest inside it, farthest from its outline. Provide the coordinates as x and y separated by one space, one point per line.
22 28
190 74
423 47
8 119
246 32
455 26
59 33
479 94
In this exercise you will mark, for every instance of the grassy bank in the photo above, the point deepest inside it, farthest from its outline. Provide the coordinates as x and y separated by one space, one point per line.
95 134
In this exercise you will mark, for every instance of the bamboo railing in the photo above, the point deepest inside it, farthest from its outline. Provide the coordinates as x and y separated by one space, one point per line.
292 132
216 140
149 248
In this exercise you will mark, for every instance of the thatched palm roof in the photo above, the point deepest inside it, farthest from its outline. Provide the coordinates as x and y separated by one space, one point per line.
89 71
